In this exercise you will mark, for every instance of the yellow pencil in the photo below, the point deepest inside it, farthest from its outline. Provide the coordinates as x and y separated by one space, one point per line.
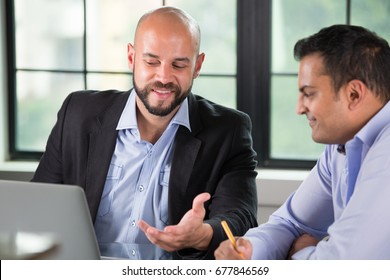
229 235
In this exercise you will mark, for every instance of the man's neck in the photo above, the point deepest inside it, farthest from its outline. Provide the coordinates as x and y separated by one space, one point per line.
150 126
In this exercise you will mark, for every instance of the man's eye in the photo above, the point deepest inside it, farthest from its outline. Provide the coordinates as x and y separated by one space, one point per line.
179 66
151 62
307 94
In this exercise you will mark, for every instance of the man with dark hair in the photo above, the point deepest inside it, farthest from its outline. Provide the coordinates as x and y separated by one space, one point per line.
341 210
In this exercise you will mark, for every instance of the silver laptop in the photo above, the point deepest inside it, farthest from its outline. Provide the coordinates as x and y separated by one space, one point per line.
45 221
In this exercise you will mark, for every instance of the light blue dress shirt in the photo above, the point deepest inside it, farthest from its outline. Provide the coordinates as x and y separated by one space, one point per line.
345 196
137 182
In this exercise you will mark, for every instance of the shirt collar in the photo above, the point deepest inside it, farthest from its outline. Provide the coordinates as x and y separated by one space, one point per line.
182 116
128 119
368 134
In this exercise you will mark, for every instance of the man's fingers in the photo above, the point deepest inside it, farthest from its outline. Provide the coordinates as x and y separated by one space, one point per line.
186 233
226 251
143 225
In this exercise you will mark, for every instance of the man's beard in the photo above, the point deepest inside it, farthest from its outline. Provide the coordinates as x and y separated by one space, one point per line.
158 110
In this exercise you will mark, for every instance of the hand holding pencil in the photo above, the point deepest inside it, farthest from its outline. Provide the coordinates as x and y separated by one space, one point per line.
230 235
231 249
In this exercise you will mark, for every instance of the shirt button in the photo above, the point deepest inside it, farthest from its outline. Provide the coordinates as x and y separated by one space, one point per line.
141 188
133 223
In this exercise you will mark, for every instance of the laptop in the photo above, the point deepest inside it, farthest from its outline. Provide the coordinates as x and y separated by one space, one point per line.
45 221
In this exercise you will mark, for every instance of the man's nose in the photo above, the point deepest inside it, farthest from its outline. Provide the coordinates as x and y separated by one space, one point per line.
164 74
300 108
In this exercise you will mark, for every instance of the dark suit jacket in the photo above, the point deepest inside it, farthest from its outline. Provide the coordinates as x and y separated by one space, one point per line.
216 157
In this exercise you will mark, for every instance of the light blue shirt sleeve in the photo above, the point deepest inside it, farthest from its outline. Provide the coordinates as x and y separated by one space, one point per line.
357 224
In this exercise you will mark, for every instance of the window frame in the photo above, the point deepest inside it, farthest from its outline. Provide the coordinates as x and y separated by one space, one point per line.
254 79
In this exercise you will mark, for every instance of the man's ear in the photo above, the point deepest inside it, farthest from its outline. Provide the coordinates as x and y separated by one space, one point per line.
198 65
130 56
356 92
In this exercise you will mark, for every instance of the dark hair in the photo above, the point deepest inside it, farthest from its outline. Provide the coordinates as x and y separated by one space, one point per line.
351 52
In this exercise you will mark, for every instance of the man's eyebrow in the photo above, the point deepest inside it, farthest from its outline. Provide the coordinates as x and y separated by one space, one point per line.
182 59
179 59
302 88
150 55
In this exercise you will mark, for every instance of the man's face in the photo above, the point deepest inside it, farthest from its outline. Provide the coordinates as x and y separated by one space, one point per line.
326 111
164 63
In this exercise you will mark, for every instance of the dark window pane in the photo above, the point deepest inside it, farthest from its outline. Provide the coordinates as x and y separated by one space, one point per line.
290 133
221 90
39 97
293 20
110 27
218 23
49 34
373 15
109 81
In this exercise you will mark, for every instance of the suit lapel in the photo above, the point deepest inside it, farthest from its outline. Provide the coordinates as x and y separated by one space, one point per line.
102 141
185 152
186 149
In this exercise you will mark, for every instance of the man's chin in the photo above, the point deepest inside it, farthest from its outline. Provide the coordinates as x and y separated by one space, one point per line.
160 111
321 140
316 138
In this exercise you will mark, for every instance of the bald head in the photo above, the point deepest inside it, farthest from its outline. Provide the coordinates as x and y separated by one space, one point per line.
169 19
165 60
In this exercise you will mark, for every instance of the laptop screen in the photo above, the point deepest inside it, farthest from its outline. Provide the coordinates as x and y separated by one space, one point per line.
35 215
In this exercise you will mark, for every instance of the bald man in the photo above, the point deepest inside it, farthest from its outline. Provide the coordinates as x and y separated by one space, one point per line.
159 165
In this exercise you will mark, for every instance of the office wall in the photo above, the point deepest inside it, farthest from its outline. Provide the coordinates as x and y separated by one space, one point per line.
15 175
271 194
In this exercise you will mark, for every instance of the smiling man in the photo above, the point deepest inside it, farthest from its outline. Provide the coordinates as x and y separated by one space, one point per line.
159 164
341 210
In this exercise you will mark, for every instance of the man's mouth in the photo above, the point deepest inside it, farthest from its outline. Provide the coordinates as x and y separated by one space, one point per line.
311 120
164 93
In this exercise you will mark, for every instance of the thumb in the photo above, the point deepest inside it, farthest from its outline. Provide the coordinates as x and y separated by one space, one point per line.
198 203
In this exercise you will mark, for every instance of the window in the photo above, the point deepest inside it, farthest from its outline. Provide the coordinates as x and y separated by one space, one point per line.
81 44
267 73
